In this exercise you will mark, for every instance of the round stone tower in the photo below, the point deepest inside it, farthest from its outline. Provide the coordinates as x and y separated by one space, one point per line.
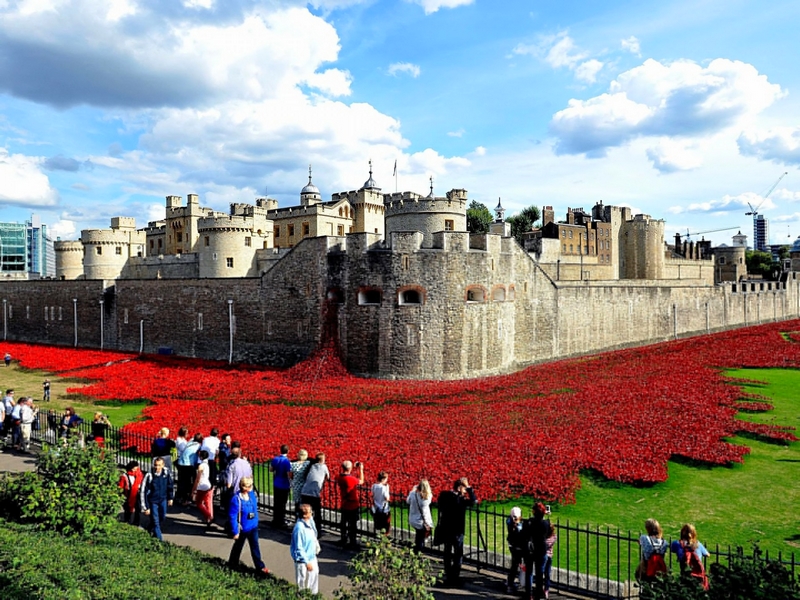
106 251
69 259
227 247
408 211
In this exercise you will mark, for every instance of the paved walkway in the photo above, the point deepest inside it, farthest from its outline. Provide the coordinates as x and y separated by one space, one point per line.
184 528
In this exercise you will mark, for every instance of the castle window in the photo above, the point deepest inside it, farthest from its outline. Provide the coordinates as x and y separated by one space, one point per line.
340 230
570 248
563 233
499 294
512 292
351 229
119 250
45 313
369 296
229 262
124 316
206 241
151 244
411 296
306 229
214 256
564 248
199 321
98 249
570 234
291 230
476 294
340 211
52 313
179 236
336 295
159 243
722 260
448 225
28 311
277 231
248 241
405 261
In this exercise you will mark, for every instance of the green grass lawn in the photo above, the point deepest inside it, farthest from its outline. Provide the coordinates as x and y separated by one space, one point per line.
754 502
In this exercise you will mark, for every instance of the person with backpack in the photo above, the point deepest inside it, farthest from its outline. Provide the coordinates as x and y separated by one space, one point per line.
130 482
653 547
690 554
156 495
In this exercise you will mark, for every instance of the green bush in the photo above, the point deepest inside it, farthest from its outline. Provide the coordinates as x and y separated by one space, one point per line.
124 562
746 578
73 491
386 572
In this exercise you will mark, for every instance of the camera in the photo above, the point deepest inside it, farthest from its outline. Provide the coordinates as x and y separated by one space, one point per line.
251 516
547 509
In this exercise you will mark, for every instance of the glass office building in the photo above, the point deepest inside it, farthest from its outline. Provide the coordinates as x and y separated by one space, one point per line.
26 250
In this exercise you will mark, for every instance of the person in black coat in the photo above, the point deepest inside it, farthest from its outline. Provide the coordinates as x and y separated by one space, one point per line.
537 529
453 506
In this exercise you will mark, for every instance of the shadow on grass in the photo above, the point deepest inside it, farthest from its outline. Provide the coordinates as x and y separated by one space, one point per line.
762 438
603 482
690 462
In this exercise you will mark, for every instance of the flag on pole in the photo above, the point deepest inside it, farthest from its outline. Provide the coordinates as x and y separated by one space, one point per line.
394 174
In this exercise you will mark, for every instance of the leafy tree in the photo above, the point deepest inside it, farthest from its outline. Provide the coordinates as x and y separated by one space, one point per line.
386 572
761 263
73 491
478 218
523 222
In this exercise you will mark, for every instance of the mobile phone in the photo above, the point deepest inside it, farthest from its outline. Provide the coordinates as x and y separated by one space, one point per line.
547 509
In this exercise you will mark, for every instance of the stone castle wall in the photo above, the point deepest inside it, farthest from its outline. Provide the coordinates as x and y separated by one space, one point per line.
467 306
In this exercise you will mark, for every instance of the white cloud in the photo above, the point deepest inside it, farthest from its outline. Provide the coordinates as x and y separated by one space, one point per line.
404 67
132 55
479 151
740 203
669 156
23 182
780 145
631 45
64 229
563 53
457 133
431 6
587 71
655 99
560 51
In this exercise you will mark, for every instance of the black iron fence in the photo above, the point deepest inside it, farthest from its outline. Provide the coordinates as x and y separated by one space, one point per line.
591 561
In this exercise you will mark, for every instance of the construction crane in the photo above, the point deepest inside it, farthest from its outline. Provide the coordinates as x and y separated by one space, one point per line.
689 235
754 212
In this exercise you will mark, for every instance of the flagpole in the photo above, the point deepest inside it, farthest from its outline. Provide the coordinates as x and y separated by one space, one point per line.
395 175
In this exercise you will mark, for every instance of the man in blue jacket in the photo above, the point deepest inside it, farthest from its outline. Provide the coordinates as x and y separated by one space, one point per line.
155 495
304 551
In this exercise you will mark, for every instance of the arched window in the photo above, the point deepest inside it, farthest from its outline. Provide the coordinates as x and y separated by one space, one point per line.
499 294
410 296
512 292
369 296
336 295
476 294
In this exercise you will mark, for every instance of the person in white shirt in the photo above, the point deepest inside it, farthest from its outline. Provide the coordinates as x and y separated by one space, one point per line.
211 445
381 512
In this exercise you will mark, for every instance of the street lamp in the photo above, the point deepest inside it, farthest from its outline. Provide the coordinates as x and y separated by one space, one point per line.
5 315
75 319
230 331
101 324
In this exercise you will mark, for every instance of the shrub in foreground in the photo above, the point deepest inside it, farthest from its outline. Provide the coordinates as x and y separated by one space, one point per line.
383 571
74 490
746 578
122 563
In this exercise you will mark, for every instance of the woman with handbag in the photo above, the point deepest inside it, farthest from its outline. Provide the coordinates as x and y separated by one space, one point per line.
419 514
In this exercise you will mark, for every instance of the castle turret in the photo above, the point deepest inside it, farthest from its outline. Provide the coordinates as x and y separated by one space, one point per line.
368 208
408 211
69 259
106 251
310 195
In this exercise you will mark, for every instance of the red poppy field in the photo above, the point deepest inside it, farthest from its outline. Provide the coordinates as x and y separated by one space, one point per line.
529 433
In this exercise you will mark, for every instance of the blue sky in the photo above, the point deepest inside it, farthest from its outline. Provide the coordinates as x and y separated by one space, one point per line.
686 111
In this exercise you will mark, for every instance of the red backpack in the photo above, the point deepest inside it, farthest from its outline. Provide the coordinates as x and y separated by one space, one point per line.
695 567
